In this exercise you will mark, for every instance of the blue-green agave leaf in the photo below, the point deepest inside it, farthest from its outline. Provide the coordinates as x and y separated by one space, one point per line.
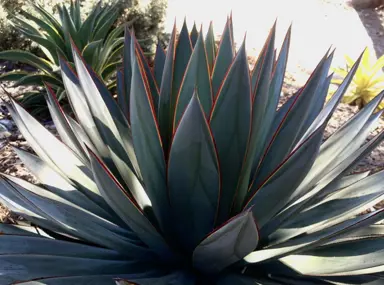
62 125
194 35
165 111
210 46
230 123
193 177
147 141
224 58
196 76
227 244
128 210
159 62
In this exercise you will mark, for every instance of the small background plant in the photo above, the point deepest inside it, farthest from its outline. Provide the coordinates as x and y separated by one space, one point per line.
366 84
95 29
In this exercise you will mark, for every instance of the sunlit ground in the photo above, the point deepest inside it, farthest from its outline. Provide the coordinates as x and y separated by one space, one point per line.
317 24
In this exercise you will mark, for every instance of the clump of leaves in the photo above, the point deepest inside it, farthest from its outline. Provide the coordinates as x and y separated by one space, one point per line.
100 45
195 176
367 82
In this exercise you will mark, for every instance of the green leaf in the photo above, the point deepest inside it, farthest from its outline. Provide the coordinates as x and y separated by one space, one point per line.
114 130
224 58
126 75
183 54
62 125
50 29
48 17
176 277
87 27
194 35
28 58
196 76
60 185
286 136
54 152
12 229
13 75
342 183
227 244
104 23
159 63
356 257
83 114
337 208
283 180
69 30
210 46
91 52
231 122
27 267
67 218
312 240
345 166
264 117
29 245
127 209
193 163
153 88
48 46
240 279
38 79
337 143
76 15
165 109
147 142
259 109
336 98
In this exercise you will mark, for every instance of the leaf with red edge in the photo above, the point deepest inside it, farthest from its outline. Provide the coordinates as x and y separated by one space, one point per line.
227 244
158 65
286 137
269 198
264 117
196 76
127 209
260 106
109 120
194 35
124 77
230 123
147 141
224 58
193 177
165 107
63 127
210 46
153 87
183 53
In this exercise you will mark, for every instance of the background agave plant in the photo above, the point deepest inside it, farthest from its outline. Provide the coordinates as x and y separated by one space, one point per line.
195 176
367 82
100 44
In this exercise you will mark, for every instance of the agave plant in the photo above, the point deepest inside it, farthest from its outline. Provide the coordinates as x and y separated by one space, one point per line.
367 83
100 43
194 176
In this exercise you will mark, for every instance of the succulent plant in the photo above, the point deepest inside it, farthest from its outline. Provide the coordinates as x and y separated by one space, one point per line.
100 43
195 176
367 82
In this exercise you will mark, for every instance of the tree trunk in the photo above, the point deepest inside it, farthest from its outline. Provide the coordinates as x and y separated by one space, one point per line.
367 4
